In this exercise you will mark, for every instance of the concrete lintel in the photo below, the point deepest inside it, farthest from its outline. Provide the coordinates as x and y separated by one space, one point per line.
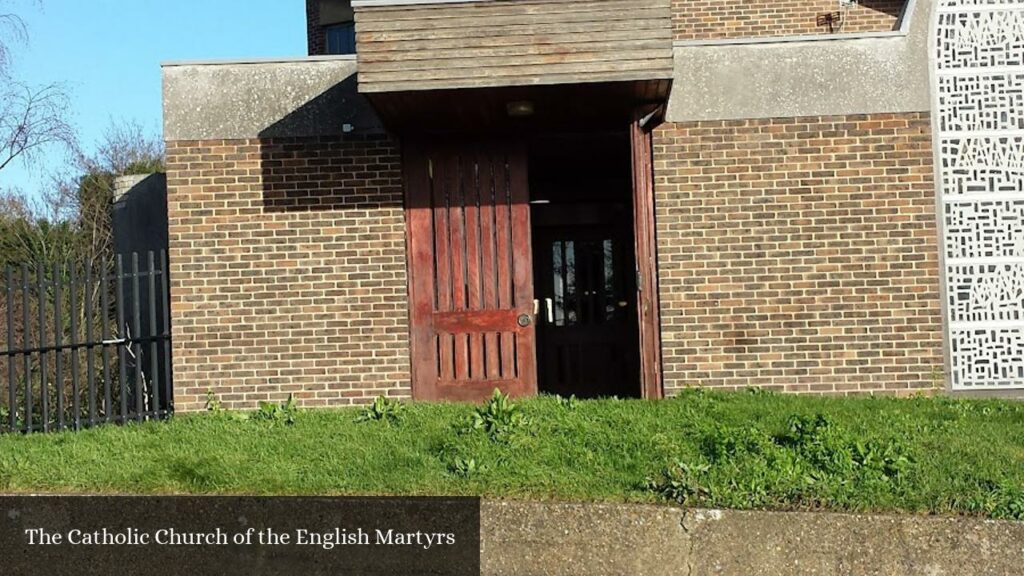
860 75
264 99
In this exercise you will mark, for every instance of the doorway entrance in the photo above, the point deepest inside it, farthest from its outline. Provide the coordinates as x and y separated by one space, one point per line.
584 265
531 264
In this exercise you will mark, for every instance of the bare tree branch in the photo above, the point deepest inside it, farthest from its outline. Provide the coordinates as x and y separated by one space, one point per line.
32 119
127 148
12 31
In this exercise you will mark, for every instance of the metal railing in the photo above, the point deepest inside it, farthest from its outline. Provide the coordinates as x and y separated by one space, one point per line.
86 344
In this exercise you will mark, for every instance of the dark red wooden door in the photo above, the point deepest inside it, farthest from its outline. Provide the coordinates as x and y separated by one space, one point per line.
470 267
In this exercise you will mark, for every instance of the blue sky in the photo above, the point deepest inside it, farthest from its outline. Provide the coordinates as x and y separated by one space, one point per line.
108 53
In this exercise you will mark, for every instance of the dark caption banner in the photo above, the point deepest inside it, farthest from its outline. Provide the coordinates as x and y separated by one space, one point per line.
195 536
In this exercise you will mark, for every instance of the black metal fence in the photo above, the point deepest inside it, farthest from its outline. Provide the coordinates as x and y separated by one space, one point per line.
86 344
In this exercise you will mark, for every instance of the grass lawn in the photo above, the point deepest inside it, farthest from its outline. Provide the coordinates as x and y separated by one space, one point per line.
742 450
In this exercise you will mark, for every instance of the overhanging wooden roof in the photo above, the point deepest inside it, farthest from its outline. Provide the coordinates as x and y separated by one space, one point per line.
561 107
493 43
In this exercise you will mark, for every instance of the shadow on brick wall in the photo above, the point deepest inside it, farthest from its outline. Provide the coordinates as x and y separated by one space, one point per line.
890 7
330 154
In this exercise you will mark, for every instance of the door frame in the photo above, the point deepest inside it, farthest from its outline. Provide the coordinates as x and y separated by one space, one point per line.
648 302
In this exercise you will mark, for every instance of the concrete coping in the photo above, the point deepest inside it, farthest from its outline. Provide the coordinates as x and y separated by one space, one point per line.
272 60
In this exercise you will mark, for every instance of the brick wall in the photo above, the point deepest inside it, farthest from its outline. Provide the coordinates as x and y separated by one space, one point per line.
288 270
718 19
799 254
315 39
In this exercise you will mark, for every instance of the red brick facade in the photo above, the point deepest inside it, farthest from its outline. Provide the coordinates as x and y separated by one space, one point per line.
795 254
718 19
799 254
288 270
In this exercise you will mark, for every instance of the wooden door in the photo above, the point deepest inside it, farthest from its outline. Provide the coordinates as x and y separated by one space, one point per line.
586 332
646 258
470 267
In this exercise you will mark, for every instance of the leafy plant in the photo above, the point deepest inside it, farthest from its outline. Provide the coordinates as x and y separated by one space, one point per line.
466 467
499 417
213 403
1002 500
680 482
383 409
1013 509
831 450
570 403
887 458
216 407
277 413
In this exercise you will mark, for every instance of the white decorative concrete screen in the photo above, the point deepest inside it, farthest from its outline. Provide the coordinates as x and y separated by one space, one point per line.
979 85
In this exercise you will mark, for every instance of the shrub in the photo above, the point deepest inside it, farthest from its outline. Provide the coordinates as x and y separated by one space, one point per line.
814 460
680 482
833 451
213 404
499 417
570 403
383 409
277 413
466 467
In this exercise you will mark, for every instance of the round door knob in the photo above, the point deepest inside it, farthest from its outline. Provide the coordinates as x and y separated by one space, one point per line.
525 320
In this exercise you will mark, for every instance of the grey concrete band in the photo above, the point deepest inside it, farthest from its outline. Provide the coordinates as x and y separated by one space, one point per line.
243 100
808 78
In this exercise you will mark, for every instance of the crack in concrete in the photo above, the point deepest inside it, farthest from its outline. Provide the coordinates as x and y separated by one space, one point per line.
690 544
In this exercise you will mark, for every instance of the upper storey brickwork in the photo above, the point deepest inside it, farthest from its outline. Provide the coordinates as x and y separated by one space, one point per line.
733 19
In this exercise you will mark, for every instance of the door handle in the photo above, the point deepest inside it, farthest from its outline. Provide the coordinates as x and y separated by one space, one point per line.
549 304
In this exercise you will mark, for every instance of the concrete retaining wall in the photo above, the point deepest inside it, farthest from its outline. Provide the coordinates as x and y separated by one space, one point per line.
576 539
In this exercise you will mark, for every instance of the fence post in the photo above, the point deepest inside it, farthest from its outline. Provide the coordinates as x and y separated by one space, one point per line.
90 363
76 412
136 346
12 396
122 360
26 322
165 283
154 362
44 404
58 340
108 401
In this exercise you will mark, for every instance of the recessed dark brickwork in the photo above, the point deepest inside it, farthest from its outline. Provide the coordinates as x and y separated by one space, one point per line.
799 254
314 32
